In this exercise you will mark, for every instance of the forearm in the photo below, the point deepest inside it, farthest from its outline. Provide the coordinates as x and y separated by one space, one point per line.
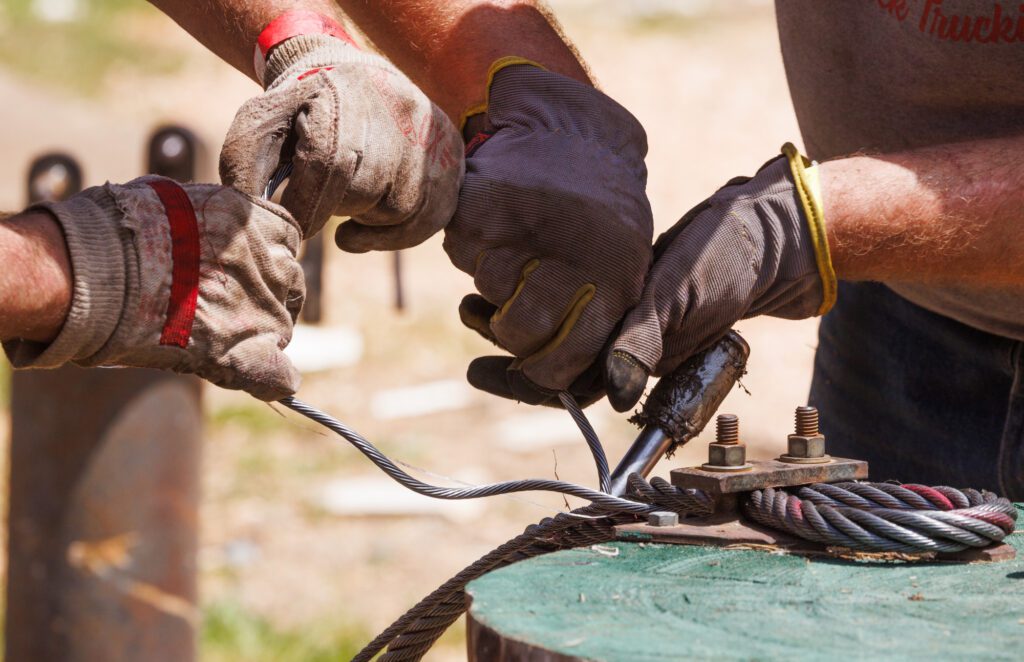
949 213
35 282
447 46
229 28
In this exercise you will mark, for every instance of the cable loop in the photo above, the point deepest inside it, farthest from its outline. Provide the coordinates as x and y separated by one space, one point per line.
862 516
885 517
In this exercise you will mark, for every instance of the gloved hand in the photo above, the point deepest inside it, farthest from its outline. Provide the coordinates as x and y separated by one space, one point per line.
756 247
364 142
197 279
554 225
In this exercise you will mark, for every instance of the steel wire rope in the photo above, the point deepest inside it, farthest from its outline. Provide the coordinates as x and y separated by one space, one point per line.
590 436
601 499
885 517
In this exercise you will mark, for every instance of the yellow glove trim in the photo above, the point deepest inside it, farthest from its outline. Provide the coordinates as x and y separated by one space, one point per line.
808 188
572 314
496 66
527 270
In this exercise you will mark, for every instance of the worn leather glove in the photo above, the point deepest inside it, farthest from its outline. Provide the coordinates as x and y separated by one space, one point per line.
554 225
756 247
197 279
363 140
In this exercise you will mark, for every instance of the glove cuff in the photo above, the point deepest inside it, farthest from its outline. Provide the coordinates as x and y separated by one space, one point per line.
306 53
496 66
89 223
808 188
288 25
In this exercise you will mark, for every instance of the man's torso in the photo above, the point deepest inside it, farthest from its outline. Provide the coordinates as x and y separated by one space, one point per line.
892 75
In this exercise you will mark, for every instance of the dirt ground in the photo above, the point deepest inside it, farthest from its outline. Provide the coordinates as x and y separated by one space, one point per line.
285 535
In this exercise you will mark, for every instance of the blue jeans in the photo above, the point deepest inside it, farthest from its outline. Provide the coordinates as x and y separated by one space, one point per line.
921 397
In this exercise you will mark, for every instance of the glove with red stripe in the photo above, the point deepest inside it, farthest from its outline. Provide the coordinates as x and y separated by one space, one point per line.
363 140
196 279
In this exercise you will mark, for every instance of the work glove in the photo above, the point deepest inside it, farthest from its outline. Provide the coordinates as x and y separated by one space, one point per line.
196 279
554 225
756 247
363 141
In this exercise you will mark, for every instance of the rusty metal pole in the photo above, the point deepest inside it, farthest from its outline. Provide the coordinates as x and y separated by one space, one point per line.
396 269
104 495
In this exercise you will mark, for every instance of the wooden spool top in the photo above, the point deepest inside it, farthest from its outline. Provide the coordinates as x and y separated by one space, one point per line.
633 602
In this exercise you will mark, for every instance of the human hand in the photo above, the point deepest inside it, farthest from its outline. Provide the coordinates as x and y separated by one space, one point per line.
363 141
554 225
192 278
756 247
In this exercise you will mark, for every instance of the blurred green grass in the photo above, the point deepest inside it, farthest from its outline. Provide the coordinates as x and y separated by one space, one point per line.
77 54
255 419
230 633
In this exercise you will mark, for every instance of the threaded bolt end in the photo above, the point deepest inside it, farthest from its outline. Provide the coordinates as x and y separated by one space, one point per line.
806 421
728 430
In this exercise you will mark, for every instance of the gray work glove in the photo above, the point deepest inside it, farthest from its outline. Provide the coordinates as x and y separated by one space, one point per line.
747 250
196 279
554 226
363 140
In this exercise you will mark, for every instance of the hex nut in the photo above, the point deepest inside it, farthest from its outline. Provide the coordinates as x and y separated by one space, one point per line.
727 455
663 518
801 446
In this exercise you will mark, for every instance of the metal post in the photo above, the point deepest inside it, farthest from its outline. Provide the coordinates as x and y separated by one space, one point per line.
396 265
104 499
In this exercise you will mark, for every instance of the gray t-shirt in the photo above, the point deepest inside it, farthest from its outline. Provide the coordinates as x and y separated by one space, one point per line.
891 75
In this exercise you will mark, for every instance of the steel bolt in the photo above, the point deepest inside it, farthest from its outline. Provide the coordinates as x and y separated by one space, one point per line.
726 453
807 445
728 429
663 518
806 421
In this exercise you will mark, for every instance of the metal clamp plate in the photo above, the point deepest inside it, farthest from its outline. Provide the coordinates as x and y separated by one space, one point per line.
769 473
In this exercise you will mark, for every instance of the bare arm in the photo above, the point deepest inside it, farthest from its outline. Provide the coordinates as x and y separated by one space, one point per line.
949 213
229 28
35 281
447 46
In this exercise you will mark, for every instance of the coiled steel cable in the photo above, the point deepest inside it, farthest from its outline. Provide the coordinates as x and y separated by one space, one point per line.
886 517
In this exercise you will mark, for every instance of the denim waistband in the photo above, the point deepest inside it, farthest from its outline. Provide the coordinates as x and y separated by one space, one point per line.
921 397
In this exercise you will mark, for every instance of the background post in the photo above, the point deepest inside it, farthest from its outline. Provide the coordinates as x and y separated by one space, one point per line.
104 491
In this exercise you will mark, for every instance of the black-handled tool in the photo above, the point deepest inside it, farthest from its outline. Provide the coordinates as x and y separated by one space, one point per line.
681 404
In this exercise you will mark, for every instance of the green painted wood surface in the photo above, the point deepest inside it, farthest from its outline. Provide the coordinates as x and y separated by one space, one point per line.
671 602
